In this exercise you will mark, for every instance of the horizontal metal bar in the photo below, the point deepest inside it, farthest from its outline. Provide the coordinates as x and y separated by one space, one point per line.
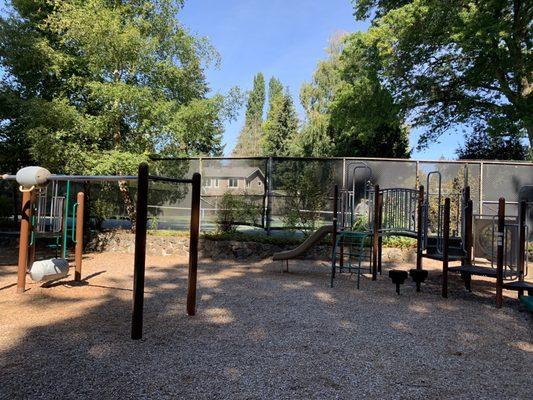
80 178
405 160
91 178
165 179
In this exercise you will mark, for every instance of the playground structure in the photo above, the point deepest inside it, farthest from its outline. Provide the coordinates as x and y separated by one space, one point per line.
48 217
424 214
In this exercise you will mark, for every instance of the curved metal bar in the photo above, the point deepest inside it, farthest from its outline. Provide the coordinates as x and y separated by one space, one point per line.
351 201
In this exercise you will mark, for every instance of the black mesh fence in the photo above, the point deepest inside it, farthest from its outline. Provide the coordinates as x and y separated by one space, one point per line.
291 193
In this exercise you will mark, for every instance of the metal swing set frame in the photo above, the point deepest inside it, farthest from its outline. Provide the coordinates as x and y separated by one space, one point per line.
33 183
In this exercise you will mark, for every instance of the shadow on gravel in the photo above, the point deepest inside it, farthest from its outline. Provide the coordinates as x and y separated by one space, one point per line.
263 334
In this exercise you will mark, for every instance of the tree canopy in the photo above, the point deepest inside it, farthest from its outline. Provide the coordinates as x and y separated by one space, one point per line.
97 86
456 62
348 111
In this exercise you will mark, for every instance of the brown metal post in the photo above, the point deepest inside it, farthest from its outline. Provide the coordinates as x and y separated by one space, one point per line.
375 237
341 250
334 235
446 247
24 241
140 253
335 217
193 245
80 211
468 221
420 228
500 253
380 239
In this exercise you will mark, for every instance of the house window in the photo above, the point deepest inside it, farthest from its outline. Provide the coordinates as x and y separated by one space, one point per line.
217 183
259 183
233 183
207 182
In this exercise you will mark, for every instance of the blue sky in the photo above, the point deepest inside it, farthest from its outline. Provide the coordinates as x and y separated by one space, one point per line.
283 38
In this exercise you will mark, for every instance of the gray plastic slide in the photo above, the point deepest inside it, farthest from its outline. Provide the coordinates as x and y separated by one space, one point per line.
315 238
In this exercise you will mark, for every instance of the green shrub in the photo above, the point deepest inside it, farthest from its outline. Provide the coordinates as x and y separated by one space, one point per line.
307 188
235 210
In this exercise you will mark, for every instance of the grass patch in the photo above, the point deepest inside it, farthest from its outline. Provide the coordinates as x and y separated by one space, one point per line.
399 242
167 233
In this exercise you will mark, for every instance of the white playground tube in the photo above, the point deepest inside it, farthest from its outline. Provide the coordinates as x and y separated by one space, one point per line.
31 177
49 270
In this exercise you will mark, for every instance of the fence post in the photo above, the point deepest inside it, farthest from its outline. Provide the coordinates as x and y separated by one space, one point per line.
481 166
375 236
269 196
446 247
201 172
500 252
344 173
193 245
140 253
522 241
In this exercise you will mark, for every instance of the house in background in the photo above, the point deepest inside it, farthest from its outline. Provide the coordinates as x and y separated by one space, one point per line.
217 181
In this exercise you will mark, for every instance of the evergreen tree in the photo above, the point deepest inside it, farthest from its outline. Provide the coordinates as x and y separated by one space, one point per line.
249 140
275 91
256 101
281 128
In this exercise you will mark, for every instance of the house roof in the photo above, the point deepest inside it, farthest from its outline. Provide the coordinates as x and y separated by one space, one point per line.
231 172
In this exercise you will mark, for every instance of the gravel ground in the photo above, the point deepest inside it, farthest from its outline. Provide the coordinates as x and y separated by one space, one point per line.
259 334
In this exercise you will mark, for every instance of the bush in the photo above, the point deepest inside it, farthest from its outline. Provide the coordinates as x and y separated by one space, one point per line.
235 210
307 188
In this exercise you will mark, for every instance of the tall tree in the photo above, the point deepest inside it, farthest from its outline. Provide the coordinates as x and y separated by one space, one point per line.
275 91
348 111
281 127
102 85
315 137
365 120
456 62
256 101
249 140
